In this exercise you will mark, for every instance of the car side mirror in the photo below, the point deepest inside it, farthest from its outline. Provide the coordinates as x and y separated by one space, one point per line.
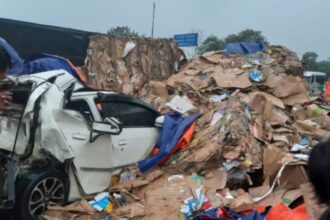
159 121
109 126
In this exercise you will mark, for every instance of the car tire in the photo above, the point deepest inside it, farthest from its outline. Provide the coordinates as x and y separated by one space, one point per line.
38 189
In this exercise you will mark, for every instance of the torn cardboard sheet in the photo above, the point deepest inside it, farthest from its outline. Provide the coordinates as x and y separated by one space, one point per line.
178 78
271 161
199 82
296 99
270 107
215 180
282 138
213 57
288 86
309 128
202 154
158 88
191 72
242 203
79 206
274 100
230 80
196 64
294 175
288 181
153 174
232 152
61 215
261 130
132 210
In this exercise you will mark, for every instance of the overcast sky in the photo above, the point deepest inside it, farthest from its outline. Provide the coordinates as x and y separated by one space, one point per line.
301 25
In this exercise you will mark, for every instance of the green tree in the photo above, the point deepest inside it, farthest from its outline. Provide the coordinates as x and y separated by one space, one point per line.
122 31
211 43
324 66
310 60
247 35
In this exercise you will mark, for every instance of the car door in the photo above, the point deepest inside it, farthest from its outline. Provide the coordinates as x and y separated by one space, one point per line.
92 161
139 134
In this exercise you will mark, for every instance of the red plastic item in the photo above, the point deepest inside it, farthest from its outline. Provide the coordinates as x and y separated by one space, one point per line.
154 151
206 205
221 213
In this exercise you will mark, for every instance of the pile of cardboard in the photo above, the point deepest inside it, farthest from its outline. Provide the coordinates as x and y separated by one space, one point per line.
125 65
249 148
241 115
249 124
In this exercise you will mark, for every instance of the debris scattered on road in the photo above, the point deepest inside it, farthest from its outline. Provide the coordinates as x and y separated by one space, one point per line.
249 148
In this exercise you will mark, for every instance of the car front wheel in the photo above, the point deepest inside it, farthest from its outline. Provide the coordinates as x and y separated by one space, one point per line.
38 190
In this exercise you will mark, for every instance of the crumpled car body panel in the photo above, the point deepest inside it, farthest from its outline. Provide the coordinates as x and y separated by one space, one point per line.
51 98
65 134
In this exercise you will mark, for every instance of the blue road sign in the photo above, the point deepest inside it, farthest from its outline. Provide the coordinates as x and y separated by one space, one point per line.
186 40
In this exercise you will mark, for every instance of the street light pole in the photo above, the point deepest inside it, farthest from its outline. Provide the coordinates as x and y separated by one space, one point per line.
153 20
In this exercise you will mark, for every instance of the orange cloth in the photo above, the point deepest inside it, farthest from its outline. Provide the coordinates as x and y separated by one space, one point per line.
186 137
182 143
327 91
281 211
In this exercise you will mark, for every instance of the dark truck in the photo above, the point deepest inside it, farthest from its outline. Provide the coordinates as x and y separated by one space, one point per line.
31 38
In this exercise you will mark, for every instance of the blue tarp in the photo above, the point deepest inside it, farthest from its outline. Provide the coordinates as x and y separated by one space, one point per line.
17 61
45 62
35 64
173 128
244 48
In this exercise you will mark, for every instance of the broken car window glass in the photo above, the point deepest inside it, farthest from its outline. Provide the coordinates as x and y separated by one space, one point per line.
131 115
82 107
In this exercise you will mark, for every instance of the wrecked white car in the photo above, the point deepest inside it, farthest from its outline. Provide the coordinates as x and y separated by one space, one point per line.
62 140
